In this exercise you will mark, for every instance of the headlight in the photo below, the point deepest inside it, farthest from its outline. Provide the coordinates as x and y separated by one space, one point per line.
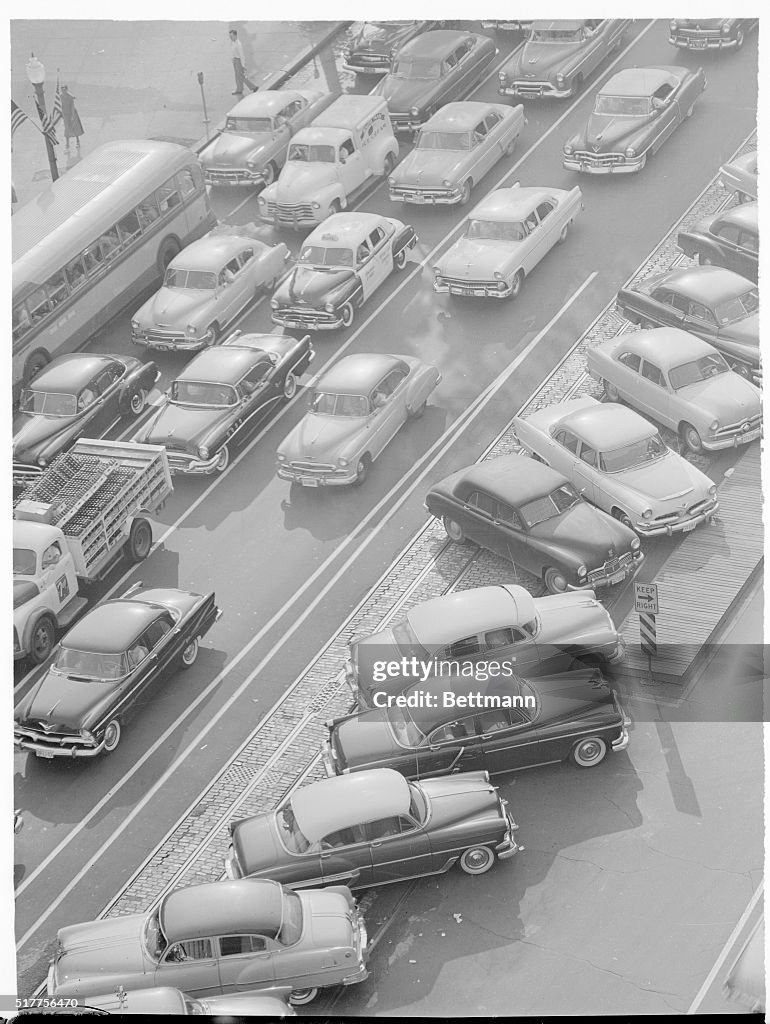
134 325
42 461
726 28
437 271
582 571
391 182
635 544
329 307
446 183
502 76
203 452
280 457
713 491
673 25
315 205
274 303
714 425
191 330
261 200
415 111
342 462
560 80
88 736
630 151
569 149
498 276
251 164
647 514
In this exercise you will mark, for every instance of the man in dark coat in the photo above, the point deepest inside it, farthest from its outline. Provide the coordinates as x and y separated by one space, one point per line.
73 127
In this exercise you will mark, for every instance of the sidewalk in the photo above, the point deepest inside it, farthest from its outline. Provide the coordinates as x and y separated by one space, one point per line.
138 79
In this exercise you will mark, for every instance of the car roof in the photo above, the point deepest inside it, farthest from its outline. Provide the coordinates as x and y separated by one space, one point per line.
745 215
434 44
211 252
72 372
560 26
221 365
607 425
357 374
344 229
515 479
321 135
460 117
641 81
511 204
268 102
707 284
113 626
240 906
462 613
347 800
664 346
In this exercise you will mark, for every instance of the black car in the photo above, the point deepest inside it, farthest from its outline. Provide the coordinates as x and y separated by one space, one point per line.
373 44
447 725
710 33
221 397
728 239
75 395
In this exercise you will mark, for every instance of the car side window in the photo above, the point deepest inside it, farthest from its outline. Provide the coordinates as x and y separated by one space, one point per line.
51 555
544 209
700 312
631 360
728 232
492 120
567 440
506 514
450 61
495 638
238 945
232 268
483 502
749 241
463 648
663 92
346 150
452 731
154 633
344 837
108 377
653 373
588 454
89 394
254 377
376 237
244 257
479 133
531 222
383 828
190 949
492 721
363 252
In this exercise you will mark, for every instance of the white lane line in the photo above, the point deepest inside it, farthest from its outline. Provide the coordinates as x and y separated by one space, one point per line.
424 465
726 950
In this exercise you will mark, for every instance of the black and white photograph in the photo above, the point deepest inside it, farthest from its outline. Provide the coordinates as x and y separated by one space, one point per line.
386 450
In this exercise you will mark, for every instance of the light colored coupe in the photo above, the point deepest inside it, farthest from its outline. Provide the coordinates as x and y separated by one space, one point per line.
507 235
356 409
454 150
682 382
618 461
740 177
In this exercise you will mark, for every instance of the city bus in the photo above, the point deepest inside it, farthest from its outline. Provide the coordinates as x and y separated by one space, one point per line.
95 239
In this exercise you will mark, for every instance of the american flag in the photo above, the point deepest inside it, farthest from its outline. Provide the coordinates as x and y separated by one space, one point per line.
17 117
50 121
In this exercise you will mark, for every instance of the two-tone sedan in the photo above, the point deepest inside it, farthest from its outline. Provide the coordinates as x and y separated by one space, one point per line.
506 236
618 461
682 382
165 1001
468 628
713 303
82 394
252 148
373 828
372 45
341 264
222 396
531 515
454 150
728 239
206 287
710 33
558 56
498 725
432 70
113 659
740 177
218 938
634 113
356 409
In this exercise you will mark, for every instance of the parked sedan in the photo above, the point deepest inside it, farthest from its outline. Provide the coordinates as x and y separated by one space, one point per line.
206 287
467 628
75 395
524 511
618 461
356 409
433 69
710 33
558 56
218 938
454 150
506 236
222 396
728 239
573 715
252 148
111 660
373 828
740 177
634 113
717 305
160 1002
372 45
342 263
683 383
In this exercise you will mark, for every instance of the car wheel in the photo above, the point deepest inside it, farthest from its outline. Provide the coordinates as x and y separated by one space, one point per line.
166 254
588 752
612 393
646 325
465 195
139 540
211 336
555 581
347 314
137 401
42 640
691 438
289 386
269 173
224 459
705 261
362 470
508 151
453 530
390 163
564 232
621 516
335 206
518 280
190 653
301 996
477 860
111 736
577 85
36 362
399 260
739 37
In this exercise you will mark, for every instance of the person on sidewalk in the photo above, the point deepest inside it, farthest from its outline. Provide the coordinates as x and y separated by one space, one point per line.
73 127
239 64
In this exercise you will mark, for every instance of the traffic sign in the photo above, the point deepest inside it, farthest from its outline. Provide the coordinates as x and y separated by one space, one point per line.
648 635
646 598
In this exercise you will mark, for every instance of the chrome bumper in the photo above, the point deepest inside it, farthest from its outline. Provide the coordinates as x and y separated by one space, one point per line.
508 847
482 289
48 752
684 526
373 70
629 166
414 195
613 580
180 463
308 479
622 741
306 325
740 437
239 178
170 344
703 43
534 90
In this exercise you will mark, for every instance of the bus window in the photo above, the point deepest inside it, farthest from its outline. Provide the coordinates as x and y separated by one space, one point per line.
57 288
76 273
147 212
109 243
168 197
129 227
93 260
39 305
186 182
21 322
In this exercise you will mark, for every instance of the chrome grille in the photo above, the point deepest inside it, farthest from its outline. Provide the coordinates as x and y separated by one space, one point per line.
312 467
288 213
598 159
610 567
750 423
304 316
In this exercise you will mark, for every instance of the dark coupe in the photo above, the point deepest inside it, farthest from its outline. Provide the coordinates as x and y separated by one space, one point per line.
221 397
373 44
75 395
728 239
111 660
435 68
709 33
372 828
573 715
528 513
718 305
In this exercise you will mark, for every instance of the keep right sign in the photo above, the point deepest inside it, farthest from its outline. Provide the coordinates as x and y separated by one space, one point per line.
646 598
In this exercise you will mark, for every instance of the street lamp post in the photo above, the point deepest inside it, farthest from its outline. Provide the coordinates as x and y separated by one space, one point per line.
36 75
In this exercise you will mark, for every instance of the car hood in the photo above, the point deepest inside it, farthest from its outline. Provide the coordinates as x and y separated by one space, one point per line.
572 695
376 37
256 845
745 331
729 397
171 306
302 180
234 150
36 430
606 131
430 167
474 257
92 950
585 535
184 424
320 437
539 59
311 286
402 94
671 480
364 739
64 702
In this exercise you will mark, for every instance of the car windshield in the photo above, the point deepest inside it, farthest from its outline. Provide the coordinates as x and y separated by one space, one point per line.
24 562
196 392
550 505
418 803
294 839
381 29
291 923
48 403
321 256
326 404
155 941
406 731
638 453
623 106
496 231
90 666
549 35
406 639
201 280
444 140
407 68
250 125
312 154
738 308
707 366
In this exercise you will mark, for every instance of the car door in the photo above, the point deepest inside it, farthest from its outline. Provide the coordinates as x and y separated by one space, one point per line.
244 961
453 747
668 117
149 655
518 544
344 857
101 401
350 166
388 400
399 848
481 522
551 221
500 134
737 249
562 451
537 242
701 321
479 156
259 391
466 55
374 261
586 471
511 645
653 396
190 965
509 739
667 308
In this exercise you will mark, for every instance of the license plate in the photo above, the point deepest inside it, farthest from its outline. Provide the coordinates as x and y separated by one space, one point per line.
698 44
688 526
415 197
162 348
616 577
308 481
48 754
749 435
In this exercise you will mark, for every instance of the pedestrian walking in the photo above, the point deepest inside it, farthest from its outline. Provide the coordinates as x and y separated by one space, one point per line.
73 127
239 64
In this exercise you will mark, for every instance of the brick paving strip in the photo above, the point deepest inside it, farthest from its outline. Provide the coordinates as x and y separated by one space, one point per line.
281 753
